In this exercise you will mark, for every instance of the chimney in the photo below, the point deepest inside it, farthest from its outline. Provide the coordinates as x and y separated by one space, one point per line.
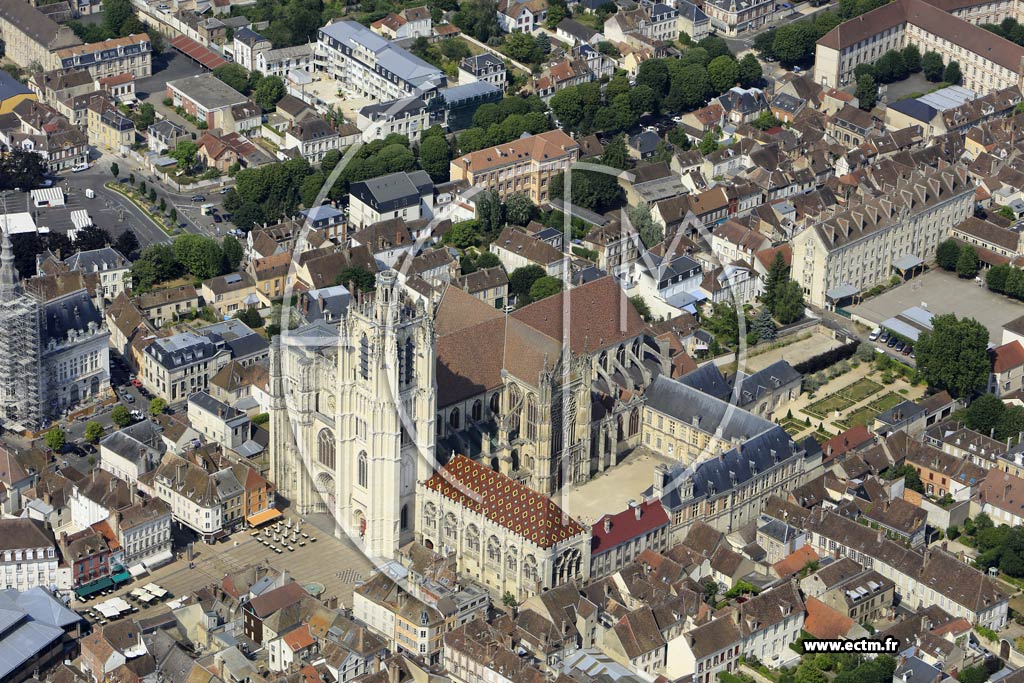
638 511
661 480
607 524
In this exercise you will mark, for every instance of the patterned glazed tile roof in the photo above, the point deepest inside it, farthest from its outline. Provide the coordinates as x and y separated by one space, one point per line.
508 503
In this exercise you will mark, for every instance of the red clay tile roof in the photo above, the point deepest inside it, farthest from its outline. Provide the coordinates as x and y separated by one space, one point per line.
626 525
299 639
504 501
845 441
795 561
1008 356
824 622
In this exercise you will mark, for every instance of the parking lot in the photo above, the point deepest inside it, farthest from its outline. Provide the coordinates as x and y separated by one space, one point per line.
941 292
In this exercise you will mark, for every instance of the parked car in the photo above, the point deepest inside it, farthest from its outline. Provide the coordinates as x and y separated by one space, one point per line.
224 190
908 351
900 345
217 218
198 198
77 168
892 342
128 398
137 384
884 337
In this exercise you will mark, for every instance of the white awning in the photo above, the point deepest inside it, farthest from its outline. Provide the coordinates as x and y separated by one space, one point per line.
138 570
80 219
158 560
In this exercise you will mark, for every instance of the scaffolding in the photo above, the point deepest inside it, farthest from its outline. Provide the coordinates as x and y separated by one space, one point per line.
21 359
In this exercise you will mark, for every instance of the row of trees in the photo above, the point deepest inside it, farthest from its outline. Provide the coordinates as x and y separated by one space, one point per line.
28 245
1001 546
593 190
794 43
531 283
963 260
1005 279
294 22
266 91
196 255
496 123
989 415
1009 28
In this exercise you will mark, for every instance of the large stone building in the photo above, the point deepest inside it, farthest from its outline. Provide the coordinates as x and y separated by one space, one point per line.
523 166
987 61
129 55
56 341
505 535
30 37
875 238
352 416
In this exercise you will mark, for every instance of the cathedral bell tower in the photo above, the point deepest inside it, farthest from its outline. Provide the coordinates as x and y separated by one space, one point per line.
385 415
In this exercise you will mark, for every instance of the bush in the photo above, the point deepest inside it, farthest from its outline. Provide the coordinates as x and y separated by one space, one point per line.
827 359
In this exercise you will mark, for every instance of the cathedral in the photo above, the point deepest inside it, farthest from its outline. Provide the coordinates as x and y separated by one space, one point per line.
352 416
362 412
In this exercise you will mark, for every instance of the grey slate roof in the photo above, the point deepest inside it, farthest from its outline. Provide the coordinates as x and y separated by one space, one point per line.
35 620
237 337
752 387
74 312
393 191
94 260
390 57
709 380
690 405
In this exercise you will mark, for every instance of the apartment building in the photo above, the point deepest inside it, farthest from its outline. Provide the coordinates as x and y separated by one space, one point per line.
933 577
367 65
178 366
408 624
877 237
218 422
191 493
247 46
115 57
655 21
483 67
28 556
278 62
228 294
112 268
731 17
108 128
523 166
144 532
987 61
408 196
165 305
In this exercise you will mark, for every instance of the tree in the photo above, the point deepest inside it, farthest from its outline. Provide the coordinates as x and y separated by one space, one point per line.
463 234
233 253
146 116
543 43
518 209
478 18
778 274
766 120
509 600
120 415
967 264
521 281
654 74
127 243
947 254
199 255
185 154
640 218
912 59
952 74
115 170
763 326
764 45
715 46
931 65
269 91
55 438
360 277
250 316
750 71
890 67
690 89
954 355
435 157
867 92
163 205
709 143
789 304
115 14
93 431
996 276
640 304
157 406
724 72
521 46
615 153
309 191
21 169
173 215
487 260
152 194
545 287
985 413
234 75
794 42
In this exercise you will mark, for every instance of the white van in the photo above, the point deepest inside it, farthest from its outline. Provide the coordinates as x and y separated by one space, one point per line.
874 334
90 193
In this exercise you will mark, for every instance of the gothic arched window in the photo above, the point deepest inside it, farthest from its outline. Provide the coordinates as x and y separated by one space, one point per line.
363 473
453 418
478 410
364 357
496 403
325 448
473 538
494 551
634 422
451 526
531 418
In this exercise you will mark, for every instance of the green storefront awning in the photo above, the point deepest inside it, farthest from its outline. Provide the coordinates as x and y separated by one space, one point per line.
121 576
94 587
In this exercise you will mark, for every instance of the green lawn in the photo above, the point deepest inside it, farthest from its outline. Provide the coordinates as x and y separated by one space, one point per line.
885 402
824 407
793 426
861 389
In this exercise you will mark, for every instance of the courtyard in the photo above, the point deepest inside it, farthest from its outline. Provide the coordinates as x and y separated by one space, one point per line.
941 292
611 491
